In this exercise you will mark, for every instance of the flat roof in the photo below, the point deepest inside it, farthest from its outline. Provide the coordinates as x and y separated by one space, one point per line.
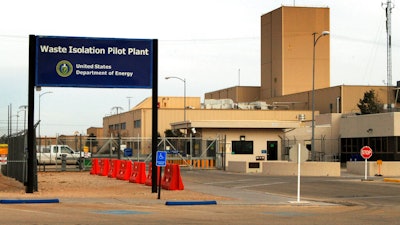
236 124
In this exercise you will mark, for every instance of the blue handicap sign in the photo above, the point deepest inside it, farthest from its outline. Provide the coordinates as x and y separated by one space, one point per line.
161 159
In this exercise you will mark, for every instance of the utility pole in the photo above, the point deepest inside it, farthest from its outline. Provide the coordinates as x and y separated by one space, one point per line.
239 77
389 7
129 103
9 120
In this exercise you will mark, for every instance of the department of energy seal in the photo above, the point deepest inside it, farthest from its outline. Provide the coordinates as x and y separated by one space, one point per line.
64 68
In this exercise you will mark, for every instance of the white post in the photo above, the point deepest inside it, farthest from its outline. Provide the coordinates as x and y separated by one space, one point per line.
298 176
366 168
298 173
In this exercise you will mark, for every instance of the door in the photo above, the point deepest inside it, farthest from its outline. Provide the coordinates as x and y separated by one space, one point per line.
272 150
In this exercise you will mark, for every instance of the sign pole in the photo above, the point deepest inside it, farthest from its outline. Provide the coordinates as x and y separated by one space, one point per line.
366 153
366 168
31 183
159 183
154 124
161 161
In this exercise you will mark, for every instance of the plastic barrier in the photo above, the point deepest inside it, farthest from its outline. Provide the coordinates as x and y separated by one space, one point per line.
95 166
149 176
104 165
3 159
99 163
125 170
115 164
203 163
196 163
138 174
172 179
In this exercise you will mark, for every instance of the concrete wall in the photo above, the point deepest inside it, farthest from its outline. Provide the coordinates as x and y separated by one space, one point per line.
243 167
280 168
237 94
387 168
337 99
371 125
283 168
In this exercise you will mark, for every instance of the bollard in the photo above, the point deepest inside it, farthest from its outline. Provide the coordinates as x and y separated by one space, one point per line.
63 162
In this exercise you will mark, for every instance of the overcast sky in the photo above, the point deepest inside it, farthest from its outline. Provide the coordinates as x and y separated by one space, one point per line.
206 42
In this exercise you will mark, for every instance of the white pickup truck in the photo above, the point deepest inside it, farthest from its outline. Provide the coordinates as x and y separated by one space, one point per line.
52 154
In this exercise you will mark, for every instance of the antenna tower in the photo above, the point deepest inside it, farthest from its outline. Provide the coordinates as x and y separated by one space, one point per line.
389 7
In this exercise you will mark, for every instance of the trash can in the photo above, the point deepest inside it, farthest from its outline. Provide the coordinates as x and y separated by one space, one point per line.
127 152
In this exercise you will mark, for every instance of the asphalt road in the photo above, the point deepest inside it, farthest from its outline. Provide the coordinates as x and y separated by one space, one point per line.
249 199
345 190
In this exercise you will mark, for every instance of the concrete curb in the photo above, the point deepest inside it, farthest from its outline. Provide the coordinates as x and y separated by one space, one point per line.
28 201
191 203
394 180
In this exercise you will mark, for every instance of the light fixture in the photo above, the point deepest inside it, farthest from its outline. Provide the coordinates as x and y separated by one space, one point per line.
324 33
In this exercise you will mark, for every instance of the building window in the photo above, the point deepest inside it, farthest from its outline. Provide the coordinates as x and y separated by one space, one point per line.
383 148
242 147
111 127
123 126
136 123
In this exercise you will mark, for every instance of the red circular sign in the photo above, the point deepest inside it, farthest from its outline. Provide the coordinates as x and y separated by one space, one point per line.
366 152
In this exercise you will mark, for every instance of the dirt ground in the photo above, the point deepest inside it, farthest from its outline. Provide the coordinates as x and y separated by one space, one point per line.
85 185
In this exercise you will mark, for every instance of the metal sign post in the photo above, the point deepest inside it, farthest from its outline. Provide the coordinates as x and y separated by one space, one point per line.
366 153
161 161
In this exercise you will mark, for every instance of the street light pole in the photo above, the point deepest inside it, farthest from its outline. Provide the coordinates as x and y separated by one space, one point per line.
40 96
18 119
129 102
324 33
184 98
24 107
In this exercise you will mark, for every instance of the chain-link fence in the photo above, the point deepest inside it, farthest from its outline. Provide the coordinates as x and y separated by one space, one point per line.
191 151
326 150
16 166
186 151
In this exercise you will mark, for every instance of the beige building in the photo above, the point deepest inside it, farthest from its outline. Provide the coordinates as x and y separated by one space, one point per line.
379 131
137 122
338 99
260 127
287 51
265 123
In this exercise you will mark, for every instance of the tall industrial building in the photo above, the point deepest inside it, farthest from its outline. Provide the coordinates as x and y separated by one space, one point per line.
287 44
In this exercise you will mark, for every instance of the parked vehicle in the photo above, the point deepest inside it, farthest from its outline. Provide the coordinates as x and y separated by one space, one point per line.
52 154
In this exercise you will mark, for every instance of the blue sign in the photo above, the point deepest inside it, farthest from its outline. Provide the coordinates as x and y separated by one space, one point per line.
94 62
161 159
